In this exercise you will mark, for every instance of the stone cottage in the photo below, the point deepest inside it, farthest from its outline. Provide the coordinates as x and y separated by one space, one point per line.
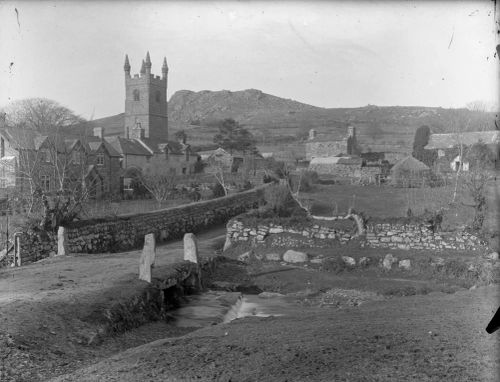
322 146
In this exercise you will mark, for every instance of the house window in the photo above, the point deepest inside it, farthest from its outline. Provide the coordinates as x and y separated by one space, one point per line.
3 183
136 95
184 170
100 159
76 157
45 182
158 96
440 153
45 156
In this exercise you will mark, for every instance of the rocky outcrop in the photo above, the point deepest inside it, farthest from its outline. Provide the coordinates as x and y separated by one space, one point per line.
292 256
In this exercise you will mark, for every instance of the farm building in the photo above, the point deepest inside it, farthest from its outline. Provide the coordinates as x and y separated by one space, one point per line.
410 172
448 154
343 167
352 168
370 146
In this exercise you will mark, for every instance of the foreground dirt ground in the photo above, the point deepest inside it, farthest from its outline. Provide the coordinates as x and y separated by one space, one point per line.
48 309
338 327
437 337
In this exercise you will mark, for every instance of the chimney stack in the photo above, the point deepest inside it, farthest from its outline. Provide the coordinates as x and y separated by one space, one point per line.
99 132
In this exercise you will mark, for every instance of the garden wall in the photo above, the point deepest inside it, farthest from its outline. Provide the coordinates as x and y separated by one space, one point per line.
409 235
127 232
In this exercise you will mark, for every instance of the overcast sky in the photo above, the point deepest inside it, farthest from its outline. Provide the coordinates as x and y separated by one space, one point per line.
329 54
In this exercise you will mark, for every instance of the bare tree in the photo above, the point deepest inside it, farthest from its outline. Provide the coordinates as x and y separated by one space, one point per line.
480 106
40 114
476 180
218 172
159 182
459 126
51 176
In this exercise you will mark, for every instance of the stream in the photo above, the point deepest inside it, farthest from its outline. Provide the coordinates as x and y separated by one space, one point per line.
214 307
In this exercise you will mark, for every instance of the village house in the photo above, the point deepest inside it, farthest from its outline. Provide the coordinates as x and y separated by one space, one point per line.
448 152
342 158
30 160
237 166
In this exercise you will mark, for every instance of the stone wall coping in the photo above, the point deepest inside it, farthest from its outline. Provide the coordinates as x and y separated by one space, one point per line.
125 217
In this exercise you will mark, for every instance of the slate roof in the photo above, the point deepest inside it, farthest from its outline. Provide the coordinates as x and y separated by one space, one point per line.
95 145
337 161
448 141
113 125
126 146
20 138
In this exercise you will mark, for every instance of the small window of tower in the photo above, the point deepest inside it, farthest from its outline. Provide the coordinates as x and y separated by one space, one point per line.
158 96
136 95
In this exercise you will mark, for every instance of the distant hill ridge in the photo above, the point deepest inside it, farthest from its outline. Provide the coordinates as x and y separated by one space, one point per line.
254 107
277 120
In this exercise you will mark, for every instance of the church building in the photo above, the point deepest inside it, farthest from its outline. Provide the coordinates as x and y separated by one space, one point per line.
140 134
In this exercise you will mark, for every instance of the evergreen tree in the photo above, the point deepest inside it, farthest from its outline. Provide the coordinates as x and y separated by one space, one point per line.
232 136
421 140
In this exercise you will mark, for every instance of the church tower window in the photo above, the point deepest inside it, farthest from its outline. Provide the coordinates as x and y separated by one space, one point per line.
158 96
136 95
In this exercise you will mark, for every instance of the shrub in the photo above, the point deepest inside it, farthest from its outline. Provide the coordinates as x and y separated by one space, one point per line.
276 197
281 203
308 180
335 265
218 191
198 167
268 179
247 185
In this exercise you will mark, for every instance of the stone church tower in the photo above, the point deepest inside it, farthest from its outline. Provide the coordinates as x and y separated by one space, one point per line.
146 102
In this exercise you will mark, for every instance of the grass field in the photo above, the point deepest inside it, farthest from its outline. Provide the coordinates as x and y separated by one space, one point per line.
387 201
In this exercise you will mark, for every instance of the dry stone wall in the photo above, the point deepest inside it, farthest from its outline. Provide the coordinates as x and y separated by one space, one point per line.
127 232
378 235
278 235
419 236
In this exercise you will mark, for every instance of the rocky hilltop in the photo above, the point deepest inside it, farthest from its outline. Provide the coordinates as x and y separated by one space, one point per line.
188 107
277 120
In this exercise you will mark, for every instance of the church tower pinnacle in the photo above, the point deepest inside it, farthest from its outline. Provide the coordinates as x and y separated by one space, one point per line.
126 66
148 64
164 68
